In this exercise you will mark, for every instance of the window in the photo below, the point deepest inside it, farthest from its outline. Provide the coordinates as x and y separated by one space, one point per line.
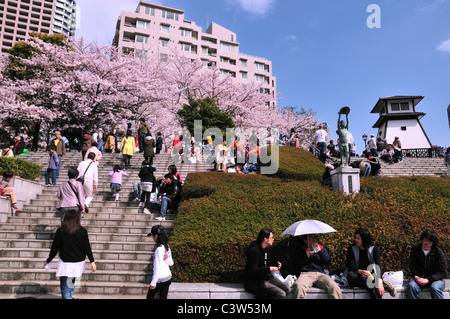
243 63
165 28
259 66
404 106
170 15
259 78
225 47
227 73
141 38
141 53
143 24
150 11
185 47
186 33
164 57
403 128
164 43
395 107
243 74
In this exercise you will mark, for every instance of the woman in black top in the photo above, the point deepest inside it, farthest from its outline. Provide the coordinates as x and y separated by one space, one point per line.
72 242
364 266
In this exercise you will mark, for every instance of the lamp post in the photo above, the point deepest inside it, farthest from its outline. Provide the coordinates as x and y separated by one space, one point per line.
365 140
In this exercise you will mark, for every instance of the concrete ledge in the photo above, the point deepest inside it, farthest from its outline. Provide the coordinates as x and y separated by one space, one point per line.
26 190
237 291
5 209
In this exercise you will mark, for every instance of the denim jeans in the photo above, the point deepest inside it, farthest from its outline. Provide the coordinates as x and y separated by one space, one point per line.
59 165
101 146
436 289
137 190
47 176
164 204
67 288
142 137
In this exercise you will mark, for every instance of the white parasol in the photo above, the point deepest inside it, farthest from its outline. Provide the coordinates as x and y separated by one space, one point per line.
306 227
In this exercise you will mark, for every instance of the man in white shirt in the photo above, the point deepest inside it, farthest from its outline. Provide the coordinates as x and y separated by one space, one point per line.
89 170
320 139
372 145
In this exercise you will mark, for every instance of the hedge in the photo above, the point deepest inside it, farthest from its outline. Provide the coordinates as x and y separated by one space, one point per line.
297 164
20 167
222 213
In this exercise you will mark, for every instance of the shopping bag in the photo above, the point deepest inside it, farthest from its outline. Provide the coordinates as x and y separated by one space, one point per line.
394 278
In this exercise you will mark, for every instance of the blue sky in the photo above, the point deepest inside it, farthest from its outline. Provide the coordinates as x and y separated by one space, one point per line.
323 53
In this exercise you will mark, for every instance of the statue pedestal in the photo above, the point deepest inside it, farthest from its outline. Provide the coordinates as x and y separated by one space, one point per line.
346 179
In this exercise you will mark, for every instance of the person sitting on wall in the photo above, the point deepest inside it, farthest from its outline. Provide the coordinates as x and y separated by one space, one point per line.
18 146
6 190
6 151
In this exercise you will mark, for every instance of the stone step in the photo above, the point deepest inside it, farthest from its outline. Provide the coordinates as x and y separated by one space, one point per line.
100 276
26 244
119 230
98 254
86 222
106 265
117 233
105 212
49 235
86 287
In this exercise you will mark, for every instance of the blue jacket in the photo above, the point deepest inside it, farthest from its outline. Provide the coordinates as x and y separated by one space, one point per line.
54 161
316 262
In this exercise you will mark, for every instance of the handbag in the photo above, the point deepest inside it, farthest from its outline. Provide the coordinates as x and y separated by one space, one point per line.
81 179
76 194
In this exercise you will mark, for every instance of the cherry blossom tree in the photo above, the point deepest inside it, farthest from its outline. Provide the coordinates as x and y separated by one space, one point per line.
84 86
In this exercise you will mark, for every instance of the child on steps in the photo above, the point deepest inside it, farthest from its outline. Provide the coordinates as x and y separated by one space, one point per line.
116 181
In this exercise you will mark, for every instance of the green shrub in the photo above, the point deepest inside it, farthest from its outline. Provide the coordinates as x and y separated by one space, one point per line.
222 213
20 167
299 165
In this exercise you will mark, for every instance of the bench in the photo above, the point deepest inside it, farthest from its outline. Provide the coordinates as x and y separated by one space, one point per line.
237 291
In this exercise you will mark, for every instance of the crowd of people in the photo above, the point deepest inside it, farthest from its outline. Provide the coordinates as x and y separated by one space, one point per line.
374 152
78 192
428 267
240 157
427 261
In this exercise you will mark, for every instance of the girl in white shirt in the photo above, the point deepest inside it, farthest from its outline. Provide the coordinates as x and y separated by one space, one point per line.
162 276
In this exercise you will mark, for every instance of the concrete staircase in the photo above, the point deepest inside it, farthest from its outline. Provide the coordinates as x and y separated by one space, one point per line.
431 167
117 232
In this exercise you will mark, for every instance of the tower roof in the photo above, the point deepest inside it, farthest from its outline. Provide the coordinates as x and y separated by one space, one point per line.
398 116
382 101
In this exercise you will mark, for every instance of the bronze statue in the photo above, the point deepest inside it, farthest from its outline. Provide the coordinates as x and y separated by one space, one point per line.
343 137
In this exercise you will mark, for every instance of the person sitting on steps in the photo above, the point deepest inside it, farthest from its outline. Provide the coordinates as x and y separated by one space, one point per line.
169 195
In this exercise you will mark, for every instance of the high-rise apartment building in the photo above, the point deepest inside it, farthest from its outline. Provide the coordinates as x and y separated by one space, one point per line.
158 30
20 17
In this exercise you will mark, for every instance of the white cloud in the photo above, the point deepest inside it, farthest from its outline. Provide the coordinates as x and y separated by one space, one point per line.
431 6
291 37
258 7
444 46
